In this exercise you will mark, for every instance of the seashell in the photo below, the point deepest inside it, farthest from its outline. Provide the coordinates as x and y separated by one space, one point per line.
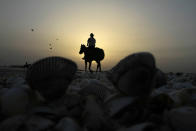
127 110
15 81
73 104
44 111
12 123
159 103
95 87
51 76
93 116
135 74
117 103
160 78
187 96
180 85
37 123
14 101
140 127
182 119
71 100
67 124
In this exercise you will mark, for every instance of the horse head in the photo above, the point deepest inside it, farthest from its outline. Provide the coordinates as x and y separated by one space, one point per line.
82 48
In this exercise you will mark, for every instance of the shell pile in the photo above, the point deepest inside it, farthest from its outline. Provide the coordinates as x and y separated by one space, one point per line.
135 95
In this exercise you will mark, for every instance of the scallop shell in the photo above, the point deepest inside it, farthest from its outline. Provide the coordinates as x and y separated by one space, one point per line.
12 123
15 101
140 127
182 119
37 123
95 87
116 103
134 75
51 76
67 124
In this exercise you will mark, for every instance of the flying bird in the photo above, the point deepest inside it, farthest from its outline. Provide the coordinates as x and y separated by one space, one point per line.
57 39
32 30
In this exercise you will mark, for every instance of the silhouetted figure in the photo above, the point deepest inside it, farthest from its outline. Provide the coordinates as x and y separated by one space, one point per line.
97 55
91 41
27 65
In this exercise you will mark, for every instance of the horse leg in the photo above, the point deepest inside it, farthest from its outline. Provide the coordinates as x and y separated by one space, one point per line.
90 66
99 66
85 66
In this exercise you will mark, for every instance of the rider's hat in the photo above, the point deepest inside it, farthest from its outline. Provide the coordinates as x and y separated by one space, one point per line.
91 34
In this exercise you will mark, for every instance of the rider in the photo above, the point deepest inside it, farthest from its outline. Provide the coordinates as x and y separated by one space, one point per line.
91 41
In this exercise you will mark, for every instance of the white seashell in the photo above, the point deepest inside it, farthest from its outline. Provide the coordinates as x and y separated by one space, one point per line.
14 101
95 87
42 110
67 124
182 85
182 119
12 123
93 116
15 81
115 104
139 127
37 123
187 96
71 100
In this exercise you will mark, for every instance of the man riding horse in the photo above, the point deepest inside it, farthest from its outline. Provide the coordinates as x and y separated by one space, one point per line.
91 53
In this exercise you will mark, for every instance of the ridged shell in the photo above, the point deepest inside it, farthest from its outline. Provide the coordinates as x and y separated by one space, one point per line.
134 75
116 103
182 119
67 124
95 87
51 76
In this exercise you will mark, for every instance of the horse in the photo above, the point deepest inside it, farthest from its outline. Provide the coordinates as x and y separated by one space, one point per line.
91 54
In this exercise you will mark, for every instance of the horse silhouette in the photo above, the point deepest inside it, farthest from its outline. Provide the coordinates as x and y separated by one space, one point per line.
91 54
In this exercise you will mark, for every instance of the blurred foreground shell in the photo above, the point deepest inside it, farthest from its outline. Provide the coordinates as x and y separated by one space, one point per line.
95 87
182 119
67 124
14 101
140 127
51 76
12 123
116 103
134 75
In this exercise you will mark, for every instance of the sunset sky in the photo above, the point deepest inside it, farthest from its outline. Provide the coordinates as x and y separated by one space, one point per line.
166 28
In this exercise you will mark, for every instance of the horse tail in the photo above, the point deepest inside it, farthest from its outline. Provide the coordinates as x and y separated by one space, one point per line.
102 54
99 54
